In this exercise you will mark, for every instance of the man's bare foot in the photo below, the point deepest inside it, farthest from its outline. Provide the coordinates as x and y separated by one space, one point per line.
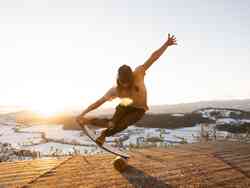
101 139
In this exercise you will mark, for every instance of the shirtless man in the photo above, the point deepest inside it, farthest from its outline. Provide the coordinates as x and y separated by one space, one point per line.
130 88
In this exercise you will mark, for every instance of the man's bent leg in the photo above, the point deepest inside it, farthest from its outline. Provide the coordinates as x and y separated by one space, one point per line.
134 115
120 112
99 122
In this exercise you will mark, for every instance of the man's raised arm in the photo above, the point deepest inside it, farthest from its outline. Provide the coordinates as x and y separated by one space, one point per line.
171 41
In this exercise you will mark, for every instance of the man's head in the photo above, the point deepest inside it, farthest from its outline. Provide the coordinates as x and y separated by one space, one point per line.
125 76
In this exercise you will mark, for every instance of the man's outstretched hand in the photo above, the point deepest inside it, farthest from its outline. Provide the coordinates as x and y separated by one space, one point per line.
171 40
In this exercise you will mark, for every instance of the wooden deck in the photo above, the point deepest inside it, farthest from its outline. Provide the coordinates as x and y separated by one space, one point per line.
214 164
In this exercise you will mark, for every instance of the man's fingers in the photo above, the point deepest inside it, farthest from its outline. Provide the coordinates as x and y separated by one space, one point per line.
172 39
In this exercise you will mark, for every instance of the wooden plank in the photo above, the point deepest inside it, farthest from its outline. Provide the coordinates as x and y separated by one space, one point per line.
216 164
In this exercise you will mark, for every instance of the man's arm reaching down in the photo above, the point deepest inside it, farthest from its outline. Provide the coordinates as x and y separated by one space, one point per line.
107 97
93 106
171 41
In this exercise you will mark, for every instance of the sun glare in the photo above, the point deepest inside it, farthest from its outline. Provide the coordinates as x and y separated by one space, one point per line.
46 110
46 100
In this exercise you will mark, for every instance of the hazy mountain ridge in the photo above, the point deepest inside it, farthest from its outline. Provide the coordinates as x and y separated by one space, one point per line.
243 104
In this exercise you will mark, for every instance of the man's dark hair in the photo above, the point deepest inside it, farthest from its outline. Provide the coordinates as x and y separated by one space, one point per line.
125 75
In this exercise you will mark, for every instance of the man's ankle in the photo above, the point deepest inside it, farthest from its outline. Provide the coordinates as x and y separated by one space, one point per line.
100 140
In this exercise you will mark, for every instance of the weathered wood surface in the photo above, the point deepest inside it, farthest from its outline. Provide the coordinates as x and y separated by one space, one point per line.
214 164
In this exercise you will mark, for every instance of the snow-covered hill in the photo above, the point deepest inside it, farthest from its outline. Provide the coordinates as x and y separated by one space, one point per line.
231 120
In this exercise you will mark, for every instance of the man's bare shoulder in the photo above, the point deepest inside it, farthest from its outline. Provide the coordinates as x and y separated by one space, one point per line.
140 70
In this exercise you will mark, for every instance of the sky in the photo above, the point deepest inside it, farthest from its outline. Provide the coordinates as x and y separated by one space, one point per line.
58 54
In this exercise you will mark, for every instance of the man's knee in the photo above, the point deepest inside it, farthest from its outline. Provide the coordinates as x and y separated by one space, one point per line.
111 124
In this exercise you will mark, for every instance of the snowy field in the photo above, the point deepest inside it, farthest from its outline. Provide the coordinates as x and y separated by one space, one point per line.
56 132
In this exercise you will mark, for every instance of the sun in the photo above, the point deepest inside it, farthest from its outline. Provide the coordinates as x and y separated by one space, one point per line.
46 110
49 97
